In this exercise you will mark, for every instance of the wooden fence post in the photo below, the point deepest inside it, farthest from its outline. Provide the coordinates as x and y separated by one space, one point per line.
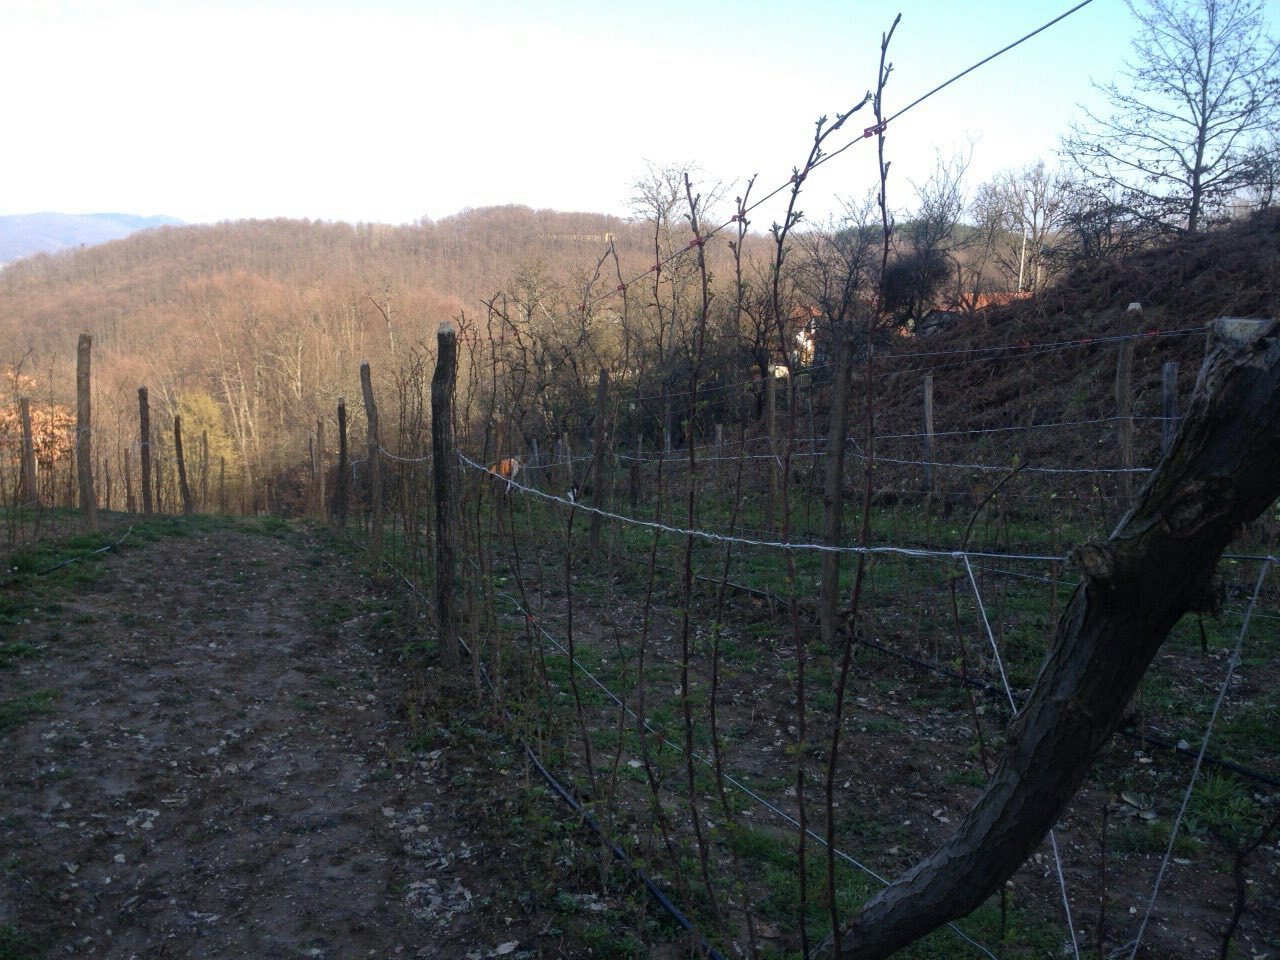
319 467
444 472
203 499
375 460
1124 413
30 495
1169 385
597 467
184 488
635 475
833 498
771 428
130 503
339 511
144 427
84 435
928 435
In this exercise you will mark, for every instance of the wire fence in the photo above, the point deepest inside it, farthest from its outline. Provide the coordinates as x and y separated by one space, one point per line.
650 624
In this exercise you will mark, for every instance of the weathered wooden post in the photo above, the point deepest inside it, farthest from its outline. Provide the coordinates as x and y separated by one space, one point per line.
130 504
1169 385
375 460
564 466
144 427
222 485
771 428
318 465
597 466
635 475
928 435
184 488
444 471
338 513
203 499
716 474
833 497
30 495
1124 415
84 434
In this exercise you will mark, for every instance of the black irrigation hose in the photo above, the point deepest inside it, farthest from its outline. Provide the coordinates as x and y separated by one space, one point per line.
1191 754
567 796
83 556
991 689
621 856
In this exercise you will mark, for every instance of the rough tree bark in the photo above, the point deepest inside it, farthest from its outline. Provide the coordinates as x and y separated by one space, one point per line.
1222 470
374 446
144 429
84 432
444 473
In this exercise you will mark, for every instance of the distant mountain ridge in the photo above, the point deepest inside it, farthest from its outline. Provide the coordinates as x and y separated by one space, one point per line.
23 234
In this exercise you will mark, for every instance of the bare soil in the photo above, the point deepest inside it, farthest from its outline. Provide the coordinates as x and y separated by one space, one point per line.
208 752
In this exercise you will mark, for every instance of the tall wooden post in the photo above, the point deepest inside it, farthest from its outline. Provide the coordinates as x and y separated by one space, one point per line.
771 428
30 495
833 497
130 503
319 467
635 475
444 472
184 488
375 460
1169 385
144 427
1124 413
84 432
339 511
202 501
928 434
597 466
222 485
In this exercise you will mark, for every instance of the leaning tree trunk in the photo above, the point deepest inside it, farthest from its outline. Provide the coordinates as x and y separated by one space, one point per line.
1222 470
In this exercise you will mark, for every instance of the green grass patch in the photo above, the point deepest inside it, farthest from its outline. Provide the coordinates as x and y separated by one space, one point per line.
17 711
11 653
16 944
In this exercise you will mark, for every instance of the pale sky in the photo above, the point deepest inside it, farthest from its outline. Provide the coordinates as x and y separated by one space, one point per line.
389 110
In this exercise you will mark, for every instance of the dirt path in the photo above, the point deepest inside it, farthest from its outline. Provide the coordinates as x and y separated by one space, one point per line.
205 756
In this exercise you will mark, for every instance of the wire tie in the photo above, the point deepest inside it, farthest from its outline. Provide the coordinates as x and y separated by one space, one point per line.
874 129
621 288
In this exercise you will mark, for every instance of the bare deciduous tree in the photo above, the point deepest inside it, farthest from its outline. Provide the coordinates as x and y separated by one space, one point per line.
1203 81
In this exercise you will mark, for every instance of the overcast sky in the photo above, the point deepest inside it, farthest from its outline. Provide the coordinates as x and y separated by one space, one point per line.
389 110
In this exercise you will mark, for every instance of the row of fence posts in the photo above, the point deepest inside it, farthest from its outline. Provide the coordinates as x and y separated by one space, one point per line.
1124 419
28 491
444 474
338 506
